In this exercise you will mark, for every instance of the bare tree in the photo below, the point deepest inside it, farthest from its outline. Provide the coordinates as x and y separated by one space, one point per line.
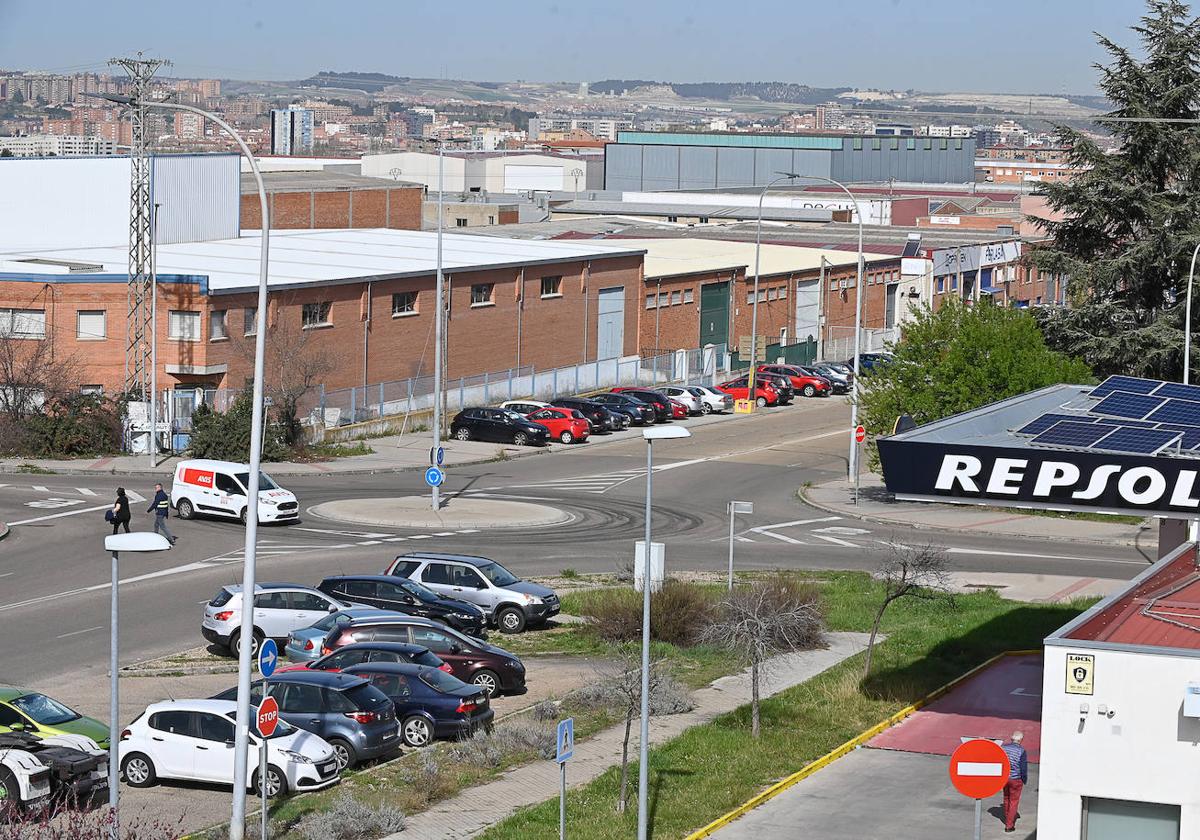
907 572
31 373
762 620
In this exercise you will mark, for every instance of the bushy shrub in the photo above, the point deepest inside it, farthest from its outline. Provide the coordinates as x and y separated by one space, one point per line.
226 437
519 736
678 613
83 825
545 710
352 819
66 426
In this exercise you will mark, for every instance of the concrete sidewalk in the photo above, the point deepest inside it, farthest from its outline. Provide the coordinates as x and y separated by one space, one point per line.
481 807
877 505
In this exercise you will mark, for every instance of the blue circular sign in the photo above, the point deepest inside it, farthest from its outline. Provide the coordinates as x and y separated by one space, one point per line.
268 657
434 477
441 455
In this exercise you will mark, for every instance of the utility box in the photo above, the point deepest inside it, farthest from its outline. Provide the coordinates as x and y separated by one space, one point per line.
657 555
1191 700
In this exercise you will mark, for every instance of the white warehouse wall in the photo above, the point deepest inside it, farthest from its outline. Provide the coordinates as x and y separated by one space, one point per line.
878 210
417 168
1147 752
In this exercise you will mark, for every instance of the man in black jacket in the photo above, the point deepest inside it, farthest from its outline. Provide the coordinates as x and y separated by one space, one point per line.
161 507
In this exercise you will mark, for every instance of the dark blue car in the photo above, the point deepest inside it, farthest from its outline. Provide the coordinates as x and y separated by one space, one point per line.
429 703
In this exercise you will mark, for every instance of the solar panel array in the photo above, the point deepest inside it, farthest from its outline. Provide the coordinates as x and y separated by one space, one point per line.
1131 415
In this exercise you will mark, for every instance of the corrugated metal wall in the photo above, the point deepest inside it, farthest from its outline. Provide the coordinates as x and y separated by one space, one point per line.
918 159
198 197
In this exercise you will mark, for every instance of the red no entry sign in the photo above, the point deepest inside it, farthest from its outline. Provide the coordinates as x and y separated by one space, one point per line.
268 717
860 434
979 768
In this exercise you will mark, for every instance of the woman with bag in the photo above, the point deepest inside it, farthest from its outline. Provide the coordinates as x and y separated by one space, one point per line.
119 514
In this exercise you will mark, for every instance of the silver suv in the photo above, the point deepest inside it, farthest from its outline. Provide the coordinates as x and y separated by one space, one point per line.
508 602
279 608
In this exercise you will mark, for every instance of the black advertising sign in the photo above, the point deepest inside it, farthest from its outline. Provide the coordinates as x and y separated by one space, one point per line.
1048 479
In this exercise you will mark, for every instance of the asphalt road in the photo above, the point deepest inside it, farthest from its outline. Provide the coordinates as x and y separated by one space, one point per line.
54 573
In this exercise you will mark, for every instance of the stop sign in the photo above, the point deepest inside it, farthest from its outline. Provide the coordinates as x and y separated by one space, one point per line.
979 768
268 717
860 434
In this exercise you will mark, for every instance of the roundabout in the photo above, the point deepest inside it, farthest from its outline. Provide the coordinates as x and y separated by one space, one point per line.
456 512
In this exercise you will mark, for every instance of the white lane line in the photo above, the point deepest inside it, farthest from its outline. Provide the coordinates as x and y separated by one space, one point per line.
834 540
75 512
795 522
486 495
986 553
41 488
444 534
365 535
368 542
779 537
86 491
175 570
79 632
7 574
747 539
394 539
420 536
469 531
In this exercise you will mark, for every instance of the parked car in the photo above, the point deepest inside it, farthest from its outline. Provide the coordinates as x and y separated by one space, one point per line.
492 669
356 718
660 403
781 384
429 703
279 608
601 419
566 424
867 362
509 602
739 388
304 644
523 406
684 395
803 381
678 410
192 740
373 652
713 398
22 710
839 379
497 424
221 488
638 412
388 592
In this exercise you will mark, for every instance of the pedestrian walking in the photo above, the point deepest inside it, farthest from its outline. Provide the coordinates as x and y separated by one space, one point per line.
161 507
1018 775
120 511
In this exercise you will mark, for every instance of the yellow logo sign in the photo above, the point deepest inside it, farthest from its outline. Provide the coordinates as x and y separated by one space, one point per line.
743 406
1081 669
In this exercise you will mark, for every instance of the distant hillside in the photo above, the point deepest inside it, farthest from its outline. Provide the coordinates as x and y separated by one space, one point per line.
366 82
725 91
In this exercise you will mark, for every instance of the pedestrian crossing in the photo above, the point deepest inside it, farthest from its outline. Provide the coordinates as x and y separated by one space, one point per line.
60 490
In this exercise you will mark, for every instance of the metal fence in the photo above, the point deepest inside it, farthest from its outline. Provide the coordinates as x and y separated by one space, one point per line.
840 345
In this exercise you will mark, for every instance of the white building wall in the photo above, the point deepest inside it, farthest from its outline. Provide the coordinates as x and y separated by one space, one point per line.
419 168
878 210
1146 752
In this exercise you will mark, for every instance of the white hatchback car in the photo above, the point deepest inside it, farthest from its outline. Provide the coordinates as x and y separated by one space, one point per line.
279 608
193 740
711 397
524 407
693 403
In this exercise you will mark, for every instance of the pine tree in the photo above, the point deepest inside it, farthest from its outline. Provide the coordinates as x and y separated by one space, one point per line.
1132 218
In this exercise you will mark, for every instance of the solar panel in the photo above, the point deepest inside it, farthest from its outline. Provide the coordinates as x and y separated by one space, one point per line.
1178 391
1073 433
1186 412
1123 404
1123 421
1040 424
1139 441
1131 384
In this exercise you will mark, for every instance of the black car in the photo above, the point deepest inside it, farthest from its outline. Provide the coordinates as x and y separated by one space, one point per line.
638 412
600 418
661 403
373 652
429 703
782 384
402 595
497 424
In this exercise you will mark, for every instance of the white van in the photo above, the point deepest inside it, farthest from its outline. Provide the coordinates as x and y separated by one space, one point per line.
218 488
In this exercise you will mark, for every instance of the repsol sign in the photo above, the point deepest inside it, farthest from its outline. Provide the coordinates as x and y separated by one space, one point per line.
1041 479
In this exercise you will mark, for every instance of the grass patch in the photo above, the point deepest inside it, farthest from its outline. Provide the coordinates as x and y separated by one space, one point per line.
332 449
34 469
713 768
1080 515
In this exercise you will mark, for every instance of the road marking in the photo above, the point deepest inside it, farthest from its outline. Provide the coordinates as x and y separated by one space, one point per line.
420 536
834 540
79 632
369 542
469 531
8 574
780 537
41 488
1021 692
59 515
744 539
986 553
842 531
444 534
394 539
86 491
364 535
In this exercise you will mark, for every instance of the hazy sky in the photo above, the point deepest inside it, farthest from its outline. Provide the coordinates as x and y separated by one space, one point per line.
1027 46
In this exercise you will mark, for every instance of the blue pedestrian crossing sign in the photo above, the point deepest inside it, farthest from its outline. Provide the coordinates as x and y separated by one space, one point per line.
434 476
268 657
565 740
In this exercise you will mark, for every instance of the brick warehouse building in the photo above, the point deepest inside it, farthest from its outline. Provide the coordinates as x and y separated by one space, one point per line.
311 200
361 300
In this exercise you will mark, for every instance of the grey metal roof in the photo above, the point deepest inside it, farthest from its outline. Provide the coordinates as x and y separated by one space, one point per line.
710 211
319 181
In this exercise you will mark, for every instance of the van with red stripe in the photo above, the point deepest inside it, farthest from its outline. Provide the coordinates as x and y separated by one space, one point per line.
219 488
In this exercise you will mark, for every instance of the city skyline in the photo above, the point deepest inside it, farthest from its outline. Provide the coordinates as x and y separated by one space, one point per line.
1030 48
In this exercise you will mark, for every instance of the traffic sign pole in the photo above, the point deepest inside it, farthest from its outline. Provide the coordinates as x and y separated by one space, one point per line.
268 659
860 434
978 819
565 740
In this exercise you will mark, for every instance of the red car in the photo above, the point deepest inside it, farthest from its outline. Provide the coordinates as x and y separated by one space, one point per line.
567 424
678 410
371 652
739 389
802 383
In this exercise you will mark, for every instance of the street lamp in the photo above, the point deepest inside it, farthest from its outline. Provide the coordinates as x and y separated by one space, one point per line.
852 461
783 176
114 544
246 633
1187 320
650 434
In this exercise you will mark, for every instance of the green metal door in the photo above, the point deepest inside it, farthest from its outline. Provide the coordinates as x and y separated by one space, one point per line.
714 314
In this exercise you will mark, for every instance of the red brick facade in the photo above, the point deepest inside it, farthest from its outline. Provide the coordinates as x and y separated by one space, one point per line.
389 207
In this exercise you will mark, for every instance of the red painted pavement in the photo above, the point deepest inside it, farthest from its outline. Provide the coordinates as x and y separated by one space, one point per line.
1005 697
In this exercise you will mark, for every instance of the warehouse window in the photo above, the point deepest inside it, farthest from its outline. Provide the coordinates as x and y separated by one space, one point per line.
404 303
662 299
750 296
460 222
856 144
650 301
771 294
689 295
23 323
481 294
910 144
90 325
894 144
217 327
676 298
250 320
183 325
92 390
551 287
782 292
704 220
876 144
315 314
941 285
491 220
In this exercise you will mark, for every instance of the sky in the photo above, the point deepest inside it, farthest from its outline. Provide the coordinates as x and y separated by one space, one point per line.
1020 46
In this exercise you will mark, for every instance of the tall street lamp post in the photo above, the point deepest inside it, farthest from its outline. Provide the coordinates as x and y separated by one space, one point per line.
114 544
1187 320
650 434
246 633
783 176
